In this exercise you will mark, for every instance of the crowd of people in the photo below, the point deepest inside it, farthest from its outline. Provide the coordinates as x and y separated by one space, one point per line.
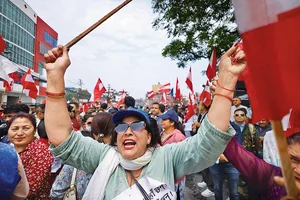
50 150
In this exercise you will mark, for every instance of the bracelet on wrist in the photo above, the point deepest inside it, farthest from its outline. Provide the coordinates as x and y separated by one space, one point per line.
230 90
227 97
55 95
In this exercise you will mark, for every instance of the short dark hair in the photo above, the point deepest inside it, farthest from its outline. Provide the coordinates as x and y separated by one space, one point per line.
241 109
21 115
104 105
69 107
152 128
294 139
129 101
162 107
41 129
85 118
15 108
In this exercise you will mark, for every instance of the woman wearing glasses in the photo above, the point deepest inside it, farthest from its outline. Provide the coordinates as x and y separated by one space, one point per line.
135 168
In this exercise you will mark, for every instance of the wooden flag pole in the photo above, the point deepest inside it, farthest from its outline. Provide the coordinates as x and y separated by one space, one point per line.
91 28
285 160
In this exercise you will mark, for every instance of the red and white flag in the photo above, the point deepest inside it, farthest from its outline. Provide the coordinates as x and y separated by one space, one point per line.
98 90
178 93
29 86
2 44
270 31
8 86
191 108
150 94
165 88
122 99
164 98
205 96
189 81
211 71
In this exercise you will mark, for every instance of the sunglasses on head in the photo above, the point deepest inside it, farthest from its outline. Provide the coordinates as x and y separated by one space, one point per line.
242 115
134 126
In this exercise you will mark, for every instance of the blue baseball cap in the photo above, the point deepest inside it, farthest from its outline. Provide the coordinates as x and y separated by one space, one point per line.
120 115
170 114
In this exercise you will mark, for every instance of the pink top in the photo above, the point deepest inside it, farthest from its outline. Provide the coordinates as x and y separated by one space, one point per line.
175 136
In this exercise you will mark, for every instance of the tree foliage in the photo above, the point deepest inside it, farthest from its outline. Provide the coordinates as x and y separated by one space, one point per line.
195 26
77 93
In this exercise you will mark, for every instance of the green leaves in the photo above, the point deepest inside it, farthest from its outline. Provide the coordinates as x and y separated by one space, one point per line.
195 26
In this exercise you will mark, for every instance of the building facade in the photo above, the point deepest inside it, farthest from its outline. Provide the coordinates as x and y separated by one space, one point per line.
27 39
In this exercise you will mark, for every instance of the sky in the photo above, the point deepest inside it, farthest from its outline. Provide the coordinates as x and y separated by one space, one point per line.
125 51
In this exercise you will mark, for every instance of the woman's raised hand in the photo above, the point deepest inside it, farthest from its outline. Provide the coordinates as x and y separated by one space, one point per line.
233 62
57 60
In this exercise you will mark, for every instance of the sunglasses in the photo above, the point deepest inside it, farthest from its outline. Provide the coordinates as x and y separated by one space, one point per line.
135 127
89 123
242 115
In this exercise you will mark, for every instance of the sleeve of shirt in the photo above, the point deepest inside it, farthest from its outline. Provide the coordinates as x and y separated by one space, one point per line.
257 172
200 151
38 169
81 152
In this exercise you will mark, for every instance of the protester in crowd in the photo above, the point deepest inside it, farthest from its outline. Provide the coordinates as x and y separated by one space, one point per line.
104 107
188 125
222 170
250 138
237 103
172 133
102 128
75 115
135 154
129 101
9 112
35 156
13 181
262 127
86 125
203 110
270 151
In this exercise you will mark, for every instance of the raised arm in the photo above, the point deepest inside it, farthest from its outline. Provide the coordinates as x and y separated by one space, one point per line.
232 65
57 119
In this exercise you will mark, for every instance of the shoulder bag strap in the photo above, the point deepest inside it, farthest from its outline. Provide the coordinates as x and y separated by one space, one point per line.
144 193
73 179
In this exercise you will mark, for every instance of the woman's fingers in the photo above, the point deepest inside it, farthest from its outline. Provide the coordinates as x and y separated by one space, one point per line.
232 50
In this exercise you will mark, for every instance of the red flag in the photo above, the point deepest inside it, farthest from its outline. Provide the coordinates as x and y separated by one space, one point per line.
165 88
178 94
205 95
29 86
122 99
2 44
164 98
85 107
212 66
189 81
271 42
150 94
99 90
191 108
8 86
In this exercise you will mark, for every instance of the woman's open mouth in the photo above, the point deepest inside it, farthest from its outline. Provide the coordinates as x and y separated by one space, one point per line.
129 144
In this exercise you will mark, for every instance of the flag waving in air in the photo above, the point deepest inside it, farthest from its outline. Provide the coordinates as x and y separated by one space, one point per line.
212 66
165 88
178 93
150 94
29 86
99 90
189 81
270 31
122 99
205 96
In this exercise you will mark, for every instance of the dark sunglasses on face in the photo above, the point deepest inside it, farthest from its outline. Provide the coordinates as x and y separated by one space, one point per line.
242 115
135 127
89 123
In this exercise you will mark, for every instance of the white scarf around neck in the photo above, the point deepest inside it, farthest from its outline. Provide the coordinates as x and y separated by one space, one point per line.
99 180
